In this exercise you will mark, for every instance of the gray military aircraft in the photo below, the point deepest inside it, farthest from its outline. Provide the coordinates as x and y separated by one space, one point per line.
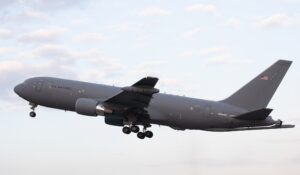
142 104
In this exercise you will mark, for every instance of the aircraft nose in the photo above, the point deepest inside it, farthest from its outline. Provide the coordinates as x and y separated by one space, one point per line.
18 89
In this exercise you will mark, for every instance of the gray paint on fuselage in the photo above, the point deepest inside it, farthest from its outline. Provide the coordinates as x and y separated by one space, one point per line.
164 109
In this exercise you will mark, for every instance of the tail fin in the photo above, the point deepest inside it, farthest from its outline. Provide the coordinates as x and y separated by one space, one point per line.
258 92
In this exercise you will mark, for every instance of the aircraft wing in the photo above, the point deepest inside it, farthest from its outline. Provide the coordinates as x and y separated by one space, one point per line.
136 96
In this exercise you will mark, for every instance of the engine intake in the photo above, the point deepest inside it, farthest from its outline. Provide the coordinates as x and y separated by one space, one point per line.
91 107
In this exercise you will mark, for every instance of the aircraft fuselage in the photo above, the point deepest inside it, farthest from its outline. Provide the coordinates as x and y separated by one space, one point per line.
177 112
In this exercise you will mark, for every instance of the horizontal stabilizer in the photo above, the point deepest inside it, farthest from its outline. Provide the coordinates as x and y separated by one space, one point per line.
260 114
286 126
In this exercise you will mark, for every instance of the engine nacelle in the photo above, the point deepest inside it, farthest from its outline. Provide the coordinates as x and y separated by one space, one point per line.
91 107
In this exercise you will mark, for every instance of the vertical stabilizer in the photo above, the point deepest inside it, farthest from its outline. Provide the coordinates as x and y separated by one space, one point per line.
258 92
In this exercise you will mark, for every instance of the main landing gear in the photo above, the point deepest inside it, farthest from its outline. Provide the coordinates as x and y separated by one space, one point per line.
136 129
32 113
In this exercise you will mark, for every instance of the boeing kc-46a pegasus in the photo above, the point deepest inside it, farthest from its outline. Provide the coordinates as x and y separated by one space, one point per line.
142 105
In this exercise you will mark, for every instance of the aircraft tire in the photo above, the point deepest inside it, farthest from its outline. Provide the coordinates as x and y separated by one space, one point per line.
149 134
135 129
141 135
32 114
126 130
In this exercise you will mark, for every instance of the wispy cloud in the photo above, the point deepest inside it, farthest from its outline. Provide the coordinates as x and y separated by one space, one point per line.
5 33
4 50
154 11
90 37
192 32
125 27
50 5
217 55
203 8
232 22
49 34
276 20
32 14
203 52
148 68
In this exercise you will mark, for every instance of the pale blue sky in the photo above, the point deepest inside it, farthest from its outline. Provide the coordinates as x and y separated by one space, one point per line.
202 49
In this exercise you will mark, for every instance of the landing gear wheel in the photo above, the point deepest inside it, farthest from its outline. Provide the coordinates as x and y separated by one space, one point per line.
126 130
149 134
141 135
32 114
135 129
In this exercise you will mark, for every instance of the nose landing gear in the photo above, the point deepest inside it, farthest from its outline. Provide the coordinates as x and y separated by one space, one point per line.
32 113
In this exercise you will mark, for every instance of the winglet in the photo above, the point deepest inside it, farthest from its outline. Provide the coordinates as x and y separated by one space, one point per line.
147 82
144 86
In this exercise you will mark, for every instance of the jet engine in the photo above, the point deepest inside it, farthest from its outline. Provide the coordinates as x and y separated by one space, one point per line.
91 107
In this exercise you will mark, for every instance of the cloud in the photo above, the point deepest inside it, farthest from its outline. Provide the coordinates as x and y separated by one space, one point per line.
15 71
203 52
4 50
5 3
125 27
90 38
57 61
53 4
226 58
276 20
22 16
149 68
5 33
31 14
50 34
93 58
141 42
59 53
41 4
214 55
203 8
21 11
193 32
232 22
154 11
